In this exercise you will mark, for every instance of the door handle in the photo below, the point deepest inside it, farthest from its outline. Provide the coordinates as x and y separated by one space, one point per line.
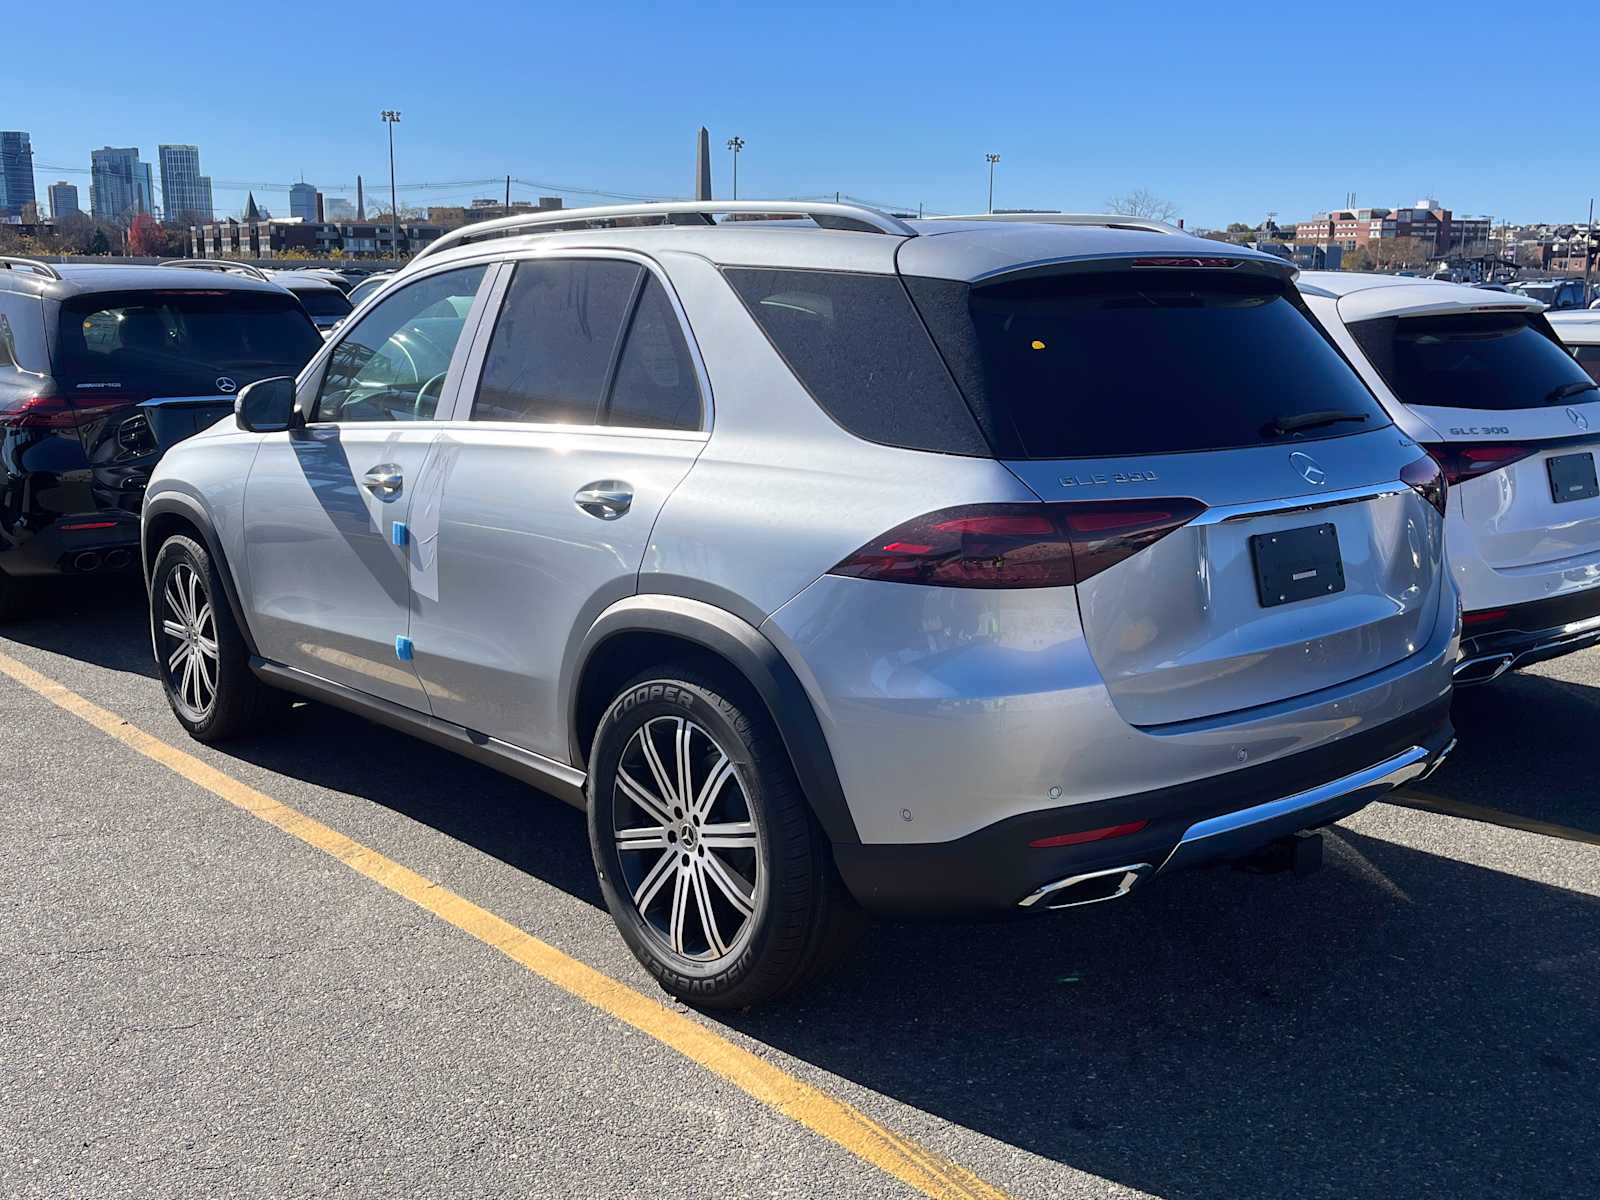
607 499
384 481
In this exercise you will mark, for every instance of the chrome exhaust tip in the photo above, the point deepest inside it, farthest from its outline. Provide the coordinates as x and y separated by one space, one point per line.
118 559
1485 669
1090 888
87 561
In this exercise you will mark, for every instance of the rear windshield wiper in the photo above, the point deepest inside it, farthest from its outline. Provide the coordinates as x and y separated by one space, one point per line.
1558 394
1279 426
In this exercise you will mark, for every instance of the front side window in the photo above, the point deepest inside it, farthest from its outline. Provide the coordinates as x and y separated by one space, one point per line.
555 341
391 365
1496 361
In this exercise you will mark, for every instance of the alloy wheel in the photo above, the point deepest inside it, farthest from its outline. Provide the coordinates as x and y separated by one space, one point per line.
189 627
689 848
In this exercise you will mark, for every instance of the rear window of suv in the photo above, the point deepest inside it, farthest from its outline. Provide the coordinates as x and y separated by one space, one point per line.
181 342
1129 362
325 302
1492 361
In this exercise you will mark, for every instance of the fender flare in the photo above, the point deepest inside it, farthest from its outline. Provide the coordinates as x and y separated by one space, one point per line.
754 656
196 514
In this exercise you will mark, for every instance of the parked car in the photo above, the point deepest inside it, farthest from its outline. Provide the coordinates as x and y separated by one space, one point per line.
1482 380
845 563
340 279
371 284
102 369
324 303
1580 333
1555 294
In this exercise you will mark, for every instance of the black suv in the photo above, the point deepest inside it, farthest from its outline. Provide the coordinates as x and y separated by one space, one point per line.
101 369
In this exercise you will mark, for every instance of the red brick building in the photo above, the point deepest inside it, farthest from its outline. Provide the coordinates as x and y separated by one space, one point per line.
1427 220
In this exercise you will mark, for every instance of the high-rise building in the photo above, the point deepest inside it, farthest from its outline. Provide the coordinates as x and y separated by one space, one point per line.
16 172
64 200
119 184
185 193
337 208
303 201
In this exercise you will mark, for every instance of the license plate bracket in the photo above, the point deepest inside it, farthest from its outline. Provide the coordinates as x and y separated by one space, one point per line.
1297 564
1572 477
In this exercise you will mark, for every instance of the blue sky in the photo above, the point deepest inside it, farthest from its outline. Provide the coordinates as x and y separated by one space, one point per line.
1230 116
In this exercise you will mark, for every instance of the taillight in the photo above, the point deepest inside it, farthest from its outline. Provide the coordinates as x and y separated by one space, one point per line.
1016 545
1462 461
50 411
1483 616
1428 478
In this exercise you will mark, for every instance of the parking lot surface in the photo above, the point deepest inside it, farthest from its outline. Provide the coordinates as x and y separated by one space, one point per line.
203 994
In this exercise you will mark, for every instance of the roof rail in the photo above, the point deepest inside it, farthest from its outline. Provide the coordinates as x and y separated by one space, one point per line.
1109 220
12 262
218 264
857 217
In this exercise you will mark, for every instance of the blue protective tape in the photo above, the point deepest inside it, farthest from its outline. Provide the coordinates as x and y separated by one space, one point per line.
398 533
402 649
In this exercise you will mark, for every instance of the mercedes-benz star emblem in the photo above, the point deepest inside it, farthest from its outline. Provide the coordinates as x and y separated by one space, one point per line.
1578 419
1307 466
227 386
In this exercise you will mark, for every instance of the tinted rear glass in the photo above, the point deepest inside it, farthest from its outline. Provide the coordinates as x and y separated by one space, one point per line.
1493 361
1104 365
180 342
325 302
1589 359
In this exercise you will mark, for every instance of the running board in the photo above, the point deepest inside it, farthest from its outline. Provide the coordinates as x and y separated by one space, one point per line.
560 780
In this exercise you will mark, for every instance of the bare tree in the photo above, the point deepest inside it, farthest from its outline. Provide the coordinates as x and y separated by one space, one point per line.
1143 203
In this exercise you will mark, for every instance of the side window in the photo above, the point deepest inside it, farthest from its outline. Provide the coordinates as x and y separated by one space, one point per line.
1589 359
22 333
391 365
655 386
555 341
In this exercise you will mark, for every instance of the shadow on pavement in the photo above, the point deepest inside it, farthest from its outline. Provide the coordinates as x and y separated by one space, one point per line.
1399 1024
100 620
1526 746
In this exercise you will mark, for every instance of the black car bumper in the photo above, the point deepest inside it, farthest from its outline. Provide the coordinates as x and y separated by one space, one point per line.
997 868
73 545
1496 640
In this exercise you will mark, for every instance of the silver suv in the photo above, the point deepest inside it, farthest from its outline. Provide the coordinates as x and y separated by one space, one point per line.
832 562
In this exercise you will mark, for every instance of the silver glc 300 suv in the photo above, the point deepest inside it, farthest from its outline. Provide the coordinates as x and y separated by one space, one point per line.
832 562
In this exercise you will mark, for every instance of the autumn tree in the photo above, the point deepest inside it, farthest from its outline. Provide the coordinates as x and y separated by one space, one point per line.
145 236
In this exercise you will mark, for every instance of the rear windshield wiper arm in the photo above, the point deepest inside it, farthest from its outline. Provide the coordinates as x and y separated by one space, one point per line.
1571 389
1279 426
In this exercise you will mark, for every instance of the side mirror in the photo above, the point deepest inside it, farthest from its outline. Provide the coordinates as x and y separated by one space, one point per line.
267 406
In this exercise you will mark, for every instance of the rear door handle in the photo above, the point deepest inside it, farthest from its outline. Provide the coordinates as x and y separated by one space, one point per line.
607 499
384 481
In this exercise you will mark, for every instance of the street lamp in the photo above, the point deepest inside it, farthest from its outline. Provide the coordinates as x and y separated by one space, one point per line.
391 118
991 159
736 144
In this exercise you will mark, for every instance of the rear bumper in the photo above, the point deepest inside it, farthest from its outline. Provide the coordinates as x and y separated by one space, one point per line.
1523 634
74 544
1211 820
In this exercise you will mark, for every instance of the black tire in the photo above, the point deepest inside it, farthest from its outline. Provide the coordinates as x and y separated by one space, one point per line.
802 922
16 596
236 702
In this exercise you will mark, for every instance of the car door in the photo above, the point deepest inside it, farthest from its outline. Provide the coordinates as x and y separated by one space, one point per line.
326 545
587 409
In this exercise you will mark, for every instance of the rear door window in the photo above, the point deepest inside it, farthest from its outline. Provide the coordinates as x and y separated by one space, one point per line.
22 342
556 339
1493 361
1133 362
181 342
655 385
1588 357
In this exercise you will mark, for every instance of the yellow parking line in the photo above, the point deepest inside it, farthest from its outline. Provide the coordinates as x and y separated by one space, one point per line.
1428 802
842 1124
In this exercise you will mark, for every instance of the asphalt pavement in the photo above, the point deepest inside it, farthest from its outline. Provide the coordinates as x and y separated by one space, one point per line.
194 1002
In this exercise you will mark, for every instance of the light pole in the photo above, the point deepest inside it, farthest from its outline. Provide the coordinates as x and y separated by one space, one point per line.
991 159
391 118
736 144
